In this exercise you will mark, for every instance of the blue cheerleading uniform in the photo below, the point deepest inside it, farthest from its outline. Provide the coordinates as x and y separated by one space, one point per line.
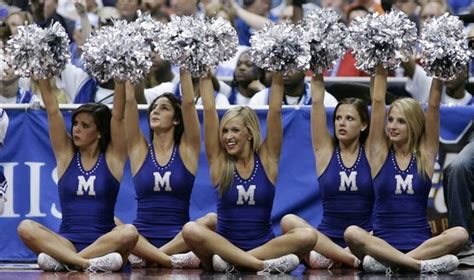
244 210
401 198
87 201
163 197
347 196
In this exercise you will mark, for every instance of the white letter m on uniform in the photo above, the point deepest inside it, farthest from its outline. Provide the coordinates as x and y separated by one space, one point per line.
246 195
405 185
85 186
349 182
161 182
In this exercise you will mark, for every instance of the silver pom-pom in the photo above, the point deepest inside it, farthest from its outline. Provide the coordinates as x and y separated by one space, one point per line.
118 52
444 50
149 28
197 44
38 53
221 40
388 39
281 47
326 34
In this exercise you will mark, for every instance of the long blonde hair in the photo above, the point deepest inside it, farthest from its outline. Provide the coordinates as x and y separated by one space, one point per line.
250 120
415 119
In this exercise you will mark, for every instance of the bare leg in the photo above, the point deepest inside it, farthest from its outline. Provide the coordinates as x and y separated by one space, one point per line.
177 245
450 241
40 239
144 249
205 243
121 239
298 241
325 246
363 243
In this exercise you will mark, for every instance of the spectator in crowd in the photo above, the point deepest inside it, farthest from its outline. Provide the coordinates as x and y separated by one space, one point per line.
44 13
16 19
247 80
128 9
184 7
296 92
11 91
252 16
345 66
221 91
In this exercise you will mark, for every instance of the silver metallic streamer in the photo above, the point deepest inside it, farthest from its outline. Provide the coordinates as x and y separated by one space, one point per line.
38 53
118 52
150 29
281 47
327 35
444 49
388 39
197 44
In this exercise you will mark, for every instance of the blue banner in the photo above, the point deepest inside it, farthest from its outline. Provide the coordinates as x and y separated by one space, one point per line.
29 166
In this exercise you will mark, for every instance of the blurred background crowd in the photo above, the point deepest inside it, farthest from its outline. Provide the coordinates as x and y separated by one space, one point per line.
239 80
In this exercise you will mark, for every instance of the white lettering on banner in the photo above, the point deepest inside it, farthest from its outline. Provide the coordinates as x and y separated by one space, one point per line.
85 186
405 185
161 182
246 195
8 168
348 182
35 168
54 210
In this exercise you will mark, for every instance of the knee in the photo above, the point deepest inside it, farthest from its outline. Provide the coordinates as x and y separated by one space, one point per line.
458 237
209 220
353 235
287 223
307 237
128 234
192 233
27 229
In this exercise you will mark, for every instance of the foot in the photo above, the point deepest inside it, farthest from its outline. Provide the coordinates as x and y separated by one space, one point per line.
136 261
444 264
108 263
48 263
372 265
221 265
318 261
284 264
186 260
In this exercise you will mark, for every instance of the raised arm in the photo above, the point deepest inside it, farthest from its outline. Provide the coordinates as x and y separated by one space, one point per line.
271 147
63 147
376 146
211 127
192 131
81 10
253 20
323 145
118 143
430 141
136 143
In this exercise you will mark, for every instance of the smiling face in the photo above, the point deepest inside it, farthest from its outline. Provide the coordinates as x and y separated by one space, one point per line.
235 137
348 124
84 130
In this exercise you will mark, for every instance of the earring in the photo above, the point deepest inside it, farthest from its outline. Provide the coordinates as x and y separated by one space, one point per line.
250 138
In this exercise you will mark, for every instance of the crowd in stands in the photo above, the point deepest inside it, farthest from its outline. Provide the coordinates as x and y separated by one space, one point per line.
236 81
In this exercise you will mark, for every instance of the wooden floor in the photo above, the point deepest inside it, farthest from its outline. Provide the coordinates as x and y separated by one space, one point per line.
25 273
